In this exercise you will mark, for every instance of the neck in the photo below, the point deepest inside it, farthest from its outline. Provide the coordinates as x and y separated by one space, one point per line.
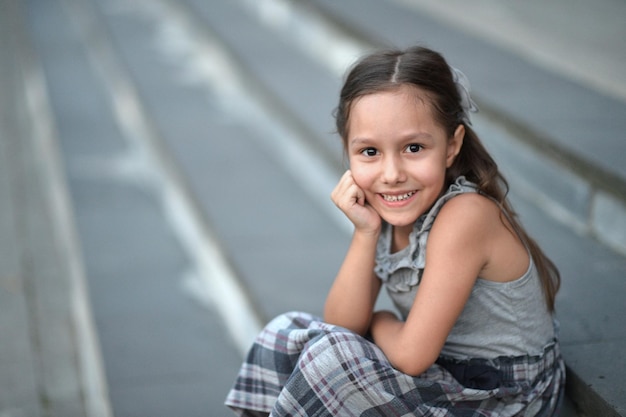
400 237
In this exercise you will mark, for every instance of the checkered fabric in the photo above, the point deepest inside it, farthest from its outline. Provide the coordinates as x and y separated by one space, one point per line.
300 366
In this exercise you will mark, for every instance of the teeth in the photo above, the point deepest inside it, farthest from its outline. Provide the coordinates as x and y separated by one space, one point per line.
401 197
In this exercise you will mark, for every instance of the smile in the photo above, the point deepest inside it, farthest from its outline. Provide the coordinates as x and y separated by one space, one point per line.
400 197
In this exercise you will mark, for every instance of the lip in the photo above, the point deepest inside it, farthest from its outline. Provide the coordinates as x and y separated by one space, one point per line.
398 198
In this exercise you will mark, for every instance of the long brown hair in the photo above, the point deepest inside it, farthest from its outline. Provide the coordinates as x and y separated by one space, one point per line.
427 70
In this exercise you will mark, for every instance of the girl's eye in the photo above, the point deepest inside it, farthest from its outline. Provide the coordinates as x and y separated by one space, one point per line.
414 148
369 152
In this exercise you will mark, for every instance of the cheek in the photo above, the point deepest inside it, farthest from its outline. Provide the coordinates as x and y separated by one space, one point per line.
430 170
363 175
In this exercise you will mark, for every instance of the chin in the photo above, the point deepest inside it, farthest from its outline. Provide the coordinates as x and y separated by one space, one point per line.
397 222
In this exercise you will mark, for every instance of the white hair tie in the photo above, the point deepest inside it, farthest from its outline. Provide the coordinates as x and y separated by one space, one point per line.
463 87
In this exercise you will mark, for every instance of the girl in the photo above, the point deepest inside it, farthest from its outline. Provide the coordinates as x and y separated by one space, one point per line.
429 210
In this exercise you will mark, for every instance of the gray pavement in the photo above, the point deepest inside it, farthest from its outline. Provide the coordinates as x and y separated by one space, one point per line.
49 355
195 140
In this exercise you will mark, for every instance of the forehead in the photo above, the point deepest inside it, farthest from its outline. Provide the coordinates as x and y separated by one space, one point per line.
402 106
407 93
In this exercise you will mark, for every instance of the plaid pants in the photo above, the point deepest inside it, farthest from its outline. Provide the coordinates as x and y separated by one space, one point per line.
300 366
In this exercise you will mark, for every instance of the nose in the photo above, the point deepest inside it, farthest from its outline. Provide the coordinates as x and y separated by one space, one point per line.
393 170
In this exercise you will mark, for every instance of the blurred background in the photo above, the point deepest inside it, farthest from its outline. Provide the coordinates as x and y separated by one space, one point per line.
166 167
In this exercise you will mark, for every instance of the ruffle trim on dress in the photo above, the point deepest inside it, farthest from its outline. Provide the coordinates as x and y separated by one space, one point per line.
412 259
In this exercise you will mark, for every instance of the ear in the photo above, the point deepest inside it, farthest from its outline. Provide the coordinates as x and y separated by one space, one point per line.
454 145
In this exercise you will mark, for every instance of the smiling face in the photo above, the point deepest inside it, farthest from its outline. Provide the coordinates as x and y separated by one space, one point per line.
399 154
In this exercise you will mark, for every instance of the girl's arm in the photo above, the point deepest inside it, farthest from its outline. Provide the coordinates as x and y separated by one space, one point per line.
458 249
350 302
351 299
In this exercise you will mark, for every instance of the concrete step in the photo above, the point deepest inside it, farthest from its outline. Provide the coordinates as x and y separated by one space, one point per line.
50 363
165 349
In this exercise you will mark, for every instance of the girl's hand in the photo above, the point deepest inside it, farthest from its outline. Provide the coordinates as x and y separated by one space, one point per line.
350 199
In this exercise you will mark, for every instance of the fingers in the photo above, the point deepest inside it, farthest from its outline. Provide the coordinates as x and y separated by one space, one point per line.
347 192
350 198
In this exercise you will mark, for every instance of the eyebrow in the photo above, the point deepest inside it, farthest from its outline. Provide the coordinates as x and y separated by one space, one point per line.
412 136
358 140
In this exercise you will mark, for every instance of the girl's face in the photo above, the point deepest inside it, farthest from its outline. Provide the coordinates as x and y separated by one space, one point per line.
399 154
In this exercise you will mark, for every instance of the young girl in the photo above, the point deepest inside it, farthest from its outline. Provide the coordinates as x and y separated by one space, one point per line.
475 295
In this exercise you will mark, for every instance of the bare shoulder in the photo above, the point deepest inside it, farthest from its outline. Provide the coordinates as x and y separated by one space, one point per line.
474 224
468 211
467 225
464 224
